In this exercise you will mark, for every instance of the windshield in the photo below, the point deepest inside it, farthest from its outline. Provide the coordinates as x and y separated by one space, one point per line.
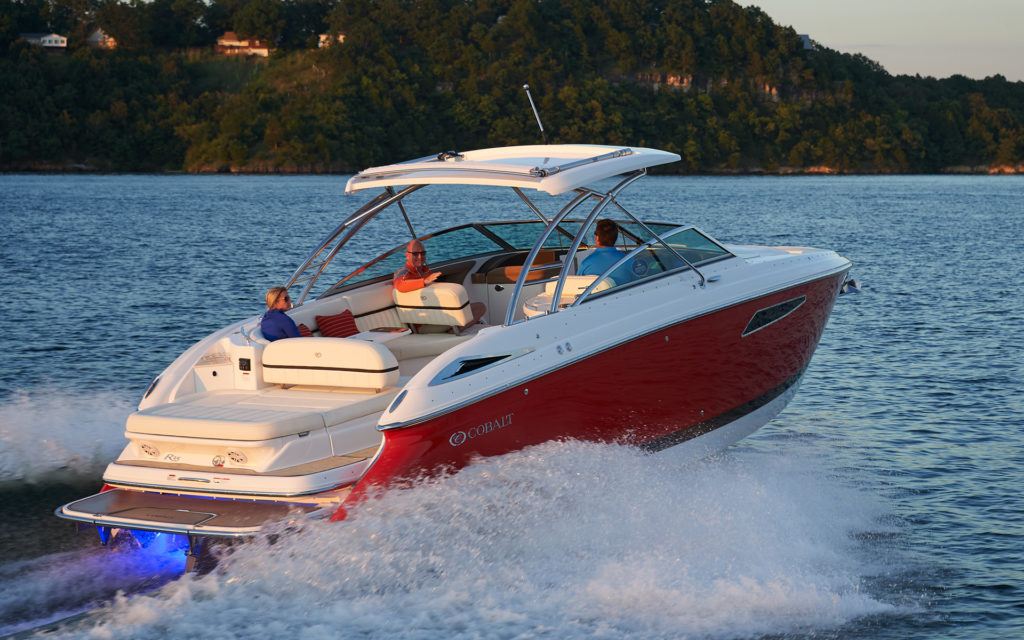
451 244
523 235
657 259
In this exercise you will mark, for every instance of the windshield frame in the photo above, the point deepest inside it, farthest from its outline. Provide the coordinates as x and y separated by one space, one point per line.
661 239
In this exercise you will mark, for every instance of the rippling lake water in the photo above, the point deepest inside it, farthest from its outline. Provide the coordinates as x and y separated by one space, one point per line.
887 500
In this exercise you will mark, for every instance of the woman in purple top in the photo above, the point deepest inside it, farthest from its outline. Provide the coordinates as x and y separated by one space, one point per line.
275 323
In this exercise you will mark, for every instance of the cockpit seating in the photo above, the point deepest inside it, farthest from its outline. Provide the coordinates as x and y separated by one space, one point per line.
573 287
441 303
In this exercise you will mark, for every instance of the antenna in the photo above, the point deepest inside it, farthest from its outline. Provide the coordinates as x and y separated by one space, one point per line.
543 137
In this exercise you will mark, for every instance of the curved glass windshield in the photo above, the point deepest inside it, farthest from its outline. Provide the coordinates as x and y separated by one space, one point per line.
657 259
451 244
523 235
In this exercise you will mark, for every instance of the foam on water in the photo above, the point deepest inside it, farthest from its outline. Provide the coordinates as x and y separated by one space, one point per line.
563 540
37 590
52 435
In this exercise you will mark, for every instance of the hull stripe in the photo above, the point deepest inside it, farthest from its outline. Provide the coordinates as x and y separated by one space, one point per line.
707 426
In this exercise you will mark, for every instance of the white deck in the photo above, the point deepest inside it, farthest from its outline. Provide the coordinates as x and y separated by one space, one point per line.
257 415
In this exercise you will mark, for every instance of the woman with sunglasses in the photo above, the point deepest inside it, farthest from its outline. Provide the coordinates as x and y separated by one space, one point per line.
275 323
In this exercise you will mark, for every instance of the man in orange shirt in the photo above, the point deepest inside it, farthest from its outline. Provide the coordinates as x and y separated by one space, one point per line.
415 274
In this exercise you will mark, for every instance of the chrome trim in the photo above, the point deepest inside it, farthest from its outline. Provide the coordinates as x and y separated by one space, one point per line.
649 243
536 249
350 227
543 172
370 177
556 295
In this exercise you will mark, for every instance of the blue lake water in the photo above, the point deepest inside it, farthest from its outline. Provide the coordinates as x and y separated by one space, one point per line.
887 501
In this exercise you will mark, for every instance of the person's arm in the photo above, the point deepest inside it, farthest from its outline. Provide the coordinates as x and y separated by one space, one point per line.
405 282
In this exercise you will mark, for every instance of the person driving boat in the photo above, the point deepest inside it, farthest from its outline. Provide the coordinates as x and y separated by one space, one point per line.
605 255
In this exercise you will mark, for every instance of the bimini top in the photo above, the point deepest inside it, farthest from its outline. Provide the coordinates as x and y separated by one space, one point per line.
554 168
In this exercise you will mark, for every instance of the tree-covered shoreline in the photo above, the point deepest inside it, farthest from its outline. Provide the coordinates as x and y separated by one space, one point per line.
720 84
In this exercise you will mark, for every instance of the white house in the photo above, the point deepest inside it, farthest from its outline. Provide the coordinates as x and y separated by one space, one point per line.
325 39
229 44
53 41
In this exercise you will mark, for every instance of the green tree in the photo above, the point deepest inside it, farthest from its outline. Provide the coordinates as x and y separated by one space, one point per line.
260 19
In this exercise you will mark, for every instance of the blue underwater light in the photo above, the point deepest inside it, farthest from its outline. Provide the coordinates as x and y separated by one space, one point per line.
160 550
152 549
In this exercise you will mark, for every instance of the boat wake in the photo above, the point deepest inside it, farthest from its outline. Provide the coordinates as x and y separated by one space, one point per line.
39 591
50 436
566 539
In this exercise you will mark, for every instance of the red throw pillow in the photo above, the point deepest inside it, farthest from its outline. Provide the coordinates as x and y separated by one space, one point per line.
304 331
342 325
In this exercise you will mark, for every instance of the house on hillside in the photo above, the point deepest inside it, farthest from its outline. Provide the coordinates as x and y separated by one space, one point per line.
806 39
98 39
326 41
230 45
48 41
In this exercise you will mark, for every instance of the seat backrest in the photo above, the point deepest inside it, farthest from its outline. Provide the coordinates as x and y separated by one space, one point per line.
373 307
575 285
330 362
441 303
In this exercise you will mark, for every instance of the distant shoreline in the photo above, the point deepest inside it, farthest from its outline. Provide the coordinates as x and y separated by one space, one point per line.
77 168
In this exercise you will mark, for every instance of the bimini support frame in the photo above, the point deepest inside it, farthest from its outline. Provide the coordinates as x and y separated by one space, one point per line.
604 200
583 195
310 270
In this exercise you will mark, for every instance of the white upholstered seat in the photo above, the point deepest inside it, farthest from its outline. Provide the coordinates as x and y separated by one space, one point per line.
441 303
330 362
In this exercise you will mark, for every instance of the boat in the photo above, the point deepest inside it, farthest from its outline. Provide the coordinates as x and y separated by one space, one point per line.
682 341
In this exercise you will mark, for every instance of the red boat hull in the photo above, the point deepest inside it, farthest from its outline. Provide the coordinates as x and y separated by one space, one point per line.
654 391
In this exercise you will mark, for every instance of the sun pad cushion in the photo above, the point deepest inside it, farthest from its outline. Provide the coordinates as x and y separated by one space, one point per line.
254 416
